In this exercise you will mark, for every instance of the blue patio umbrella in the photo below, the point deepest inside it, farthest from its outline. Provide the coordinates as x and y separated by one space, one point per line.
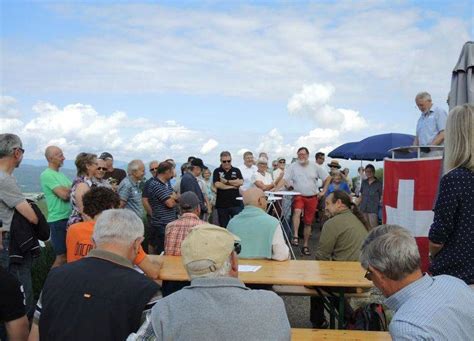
372 148
344 151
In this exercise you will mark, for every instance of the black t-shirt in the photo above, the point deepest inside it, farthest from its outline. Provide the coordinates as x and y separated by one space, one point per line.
12 297
227 197
118 174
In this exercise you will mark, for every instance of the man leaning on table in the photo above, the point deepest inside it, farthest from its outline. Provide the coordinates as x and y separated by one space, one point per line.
217 305
426 308
260 233
341 238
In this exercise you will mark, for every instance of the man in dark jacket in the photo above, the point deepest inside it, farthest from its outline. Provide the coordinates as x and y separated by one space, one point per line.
101 296
11 199
189 183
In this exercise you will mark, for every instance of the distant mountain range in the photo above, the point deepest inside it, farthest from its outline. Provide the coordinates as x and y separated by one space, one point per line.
28 177
69 164
28 174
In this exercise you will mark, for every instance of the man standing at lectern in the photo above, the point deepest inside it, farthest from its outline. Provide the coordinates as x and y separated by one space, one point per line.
430 126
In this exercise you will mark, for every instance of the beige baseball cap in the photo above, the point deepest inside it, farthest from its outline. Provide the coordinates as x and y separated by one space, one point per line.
208 242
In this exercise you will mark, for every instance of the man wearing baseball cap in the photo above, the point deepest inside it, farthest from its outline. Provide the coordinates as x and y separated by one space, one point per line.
113 175
217 305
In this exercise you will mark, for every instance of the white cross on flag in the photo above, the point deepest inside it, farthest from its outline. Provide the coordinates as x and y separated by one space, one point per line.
409 194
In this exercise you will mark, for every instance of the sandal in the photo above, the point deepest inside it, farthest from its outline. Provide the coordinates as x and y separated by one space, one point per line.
295 241
305 251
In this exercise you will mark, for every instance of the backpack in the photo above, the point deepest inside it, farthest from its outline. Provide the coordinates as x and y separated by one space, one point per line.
370 317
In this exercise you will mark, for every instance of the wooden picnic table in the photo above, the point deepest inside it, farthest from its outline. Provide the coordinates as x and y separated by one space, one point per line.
340 277
349 275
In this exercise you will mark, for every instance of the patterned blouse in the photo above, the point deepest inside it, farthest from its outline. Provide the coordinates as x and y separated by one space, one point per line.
76 216
453 226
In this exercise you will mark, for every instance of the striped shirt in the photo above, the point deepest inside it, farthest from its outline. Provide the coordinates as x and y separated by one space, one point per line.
177 230
433 308
162 215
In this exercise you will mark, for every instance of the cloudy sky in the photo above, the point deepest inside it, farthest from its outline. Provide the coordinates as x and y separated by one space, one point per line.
170 79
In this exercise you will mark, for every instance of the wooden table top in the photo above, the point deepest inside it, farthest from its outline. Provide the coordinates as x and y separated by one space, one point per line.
291 272
333 335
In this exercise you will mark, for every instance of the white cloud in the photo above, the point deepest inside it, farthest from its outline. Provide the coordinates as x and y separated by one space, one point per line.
210 145
271 51
8 108
313 101
79 127
10 125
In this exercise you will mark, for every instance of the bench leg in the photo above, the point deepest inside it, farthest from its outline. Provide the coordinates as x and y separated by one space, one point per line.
340 324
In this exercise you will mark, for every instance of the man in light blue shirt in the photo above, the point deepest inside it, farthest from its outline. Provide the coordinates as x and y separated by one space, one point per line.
426 308
129 189
431 124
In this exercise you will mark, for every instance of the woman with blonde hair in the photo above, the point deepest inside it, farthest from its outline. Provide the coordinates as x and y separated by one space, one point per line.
452 232
86 165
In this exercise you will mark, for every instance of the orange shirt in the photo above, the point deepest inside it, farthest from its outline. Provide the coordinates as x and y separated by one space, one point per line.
79 242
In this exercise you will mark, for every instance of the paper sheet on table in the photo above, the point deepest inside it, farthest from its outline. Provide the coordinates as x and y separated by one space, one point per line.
249 268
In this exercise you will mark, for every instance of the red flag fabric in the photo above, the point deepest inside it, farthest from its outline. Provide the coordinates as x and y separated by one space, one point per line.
409 194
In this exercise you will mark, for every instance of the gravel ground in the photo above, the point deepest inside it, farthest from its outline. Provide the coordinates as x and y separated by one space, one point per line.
297 307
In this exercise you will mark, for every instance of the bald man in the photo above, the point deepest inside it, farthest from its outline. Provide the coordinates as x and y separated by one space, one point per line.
260 233
57 189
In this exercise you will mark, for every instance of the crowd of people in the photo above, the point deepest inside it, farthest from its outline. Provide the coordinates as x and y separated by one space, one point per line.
109 227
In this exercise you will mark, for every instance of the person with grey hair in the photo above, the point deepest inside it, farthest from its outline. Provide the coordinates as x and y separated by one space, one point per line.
426 308
430 126
247 169
129 189
11 199
217 305
102 295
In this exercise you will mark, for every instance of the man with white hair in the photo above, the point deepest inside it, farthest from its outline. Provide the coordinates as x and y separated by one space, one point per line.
247 170
431 124
260 233
101 295
129 189
217 305
57 189
426 308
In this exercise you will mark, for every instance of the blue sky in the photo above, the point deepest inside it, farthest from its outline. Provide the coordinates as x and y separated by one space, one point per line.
153 80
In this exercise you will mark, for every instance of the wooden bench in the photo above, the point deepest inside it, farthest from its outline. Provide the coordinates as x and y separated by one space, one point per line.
328 334
294 290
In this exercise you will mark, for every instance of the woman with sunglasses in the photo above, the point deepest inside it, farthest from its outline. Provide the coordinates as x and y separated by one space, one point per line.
99 180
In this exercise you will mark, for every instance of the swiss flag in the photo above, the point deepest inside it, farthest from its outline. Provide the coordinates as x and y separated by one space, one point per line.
409 194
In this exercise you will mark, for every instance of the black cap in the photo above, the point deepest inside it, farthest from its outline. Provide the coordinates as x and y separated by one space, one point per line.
197 162
106 155
188 200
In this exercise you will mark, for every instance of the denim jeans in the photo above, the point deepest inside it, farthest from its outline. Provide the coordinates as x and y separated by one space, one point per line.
21 271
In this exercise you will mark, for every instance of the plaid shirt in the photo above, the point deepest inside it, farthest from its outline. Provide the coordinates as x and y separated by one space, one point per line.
177 230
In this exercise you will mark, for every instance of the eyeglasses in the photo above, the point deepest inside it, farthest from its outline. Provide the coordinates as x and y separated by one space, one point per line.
102 169
153 169
226 161
20 149
334 167
368 275
237 247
